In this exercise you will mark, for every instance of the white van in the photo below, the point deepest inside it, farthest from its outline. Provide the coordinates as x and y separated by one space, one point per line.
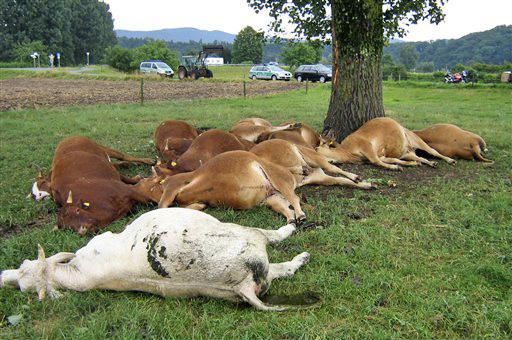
157 67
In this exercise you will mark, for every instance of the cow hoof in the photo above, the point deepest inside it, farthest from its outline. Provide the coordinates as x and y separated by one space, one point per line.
373 185
303 258
434 164
356 179
399 168
296 126
453 162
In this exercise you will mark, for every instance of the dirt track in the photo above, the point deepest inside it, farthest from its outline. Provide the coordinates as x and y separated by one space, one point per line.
19 93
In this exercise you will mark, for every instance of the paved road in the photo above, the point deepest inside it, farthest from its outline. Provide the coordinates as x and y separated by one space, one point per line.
80 70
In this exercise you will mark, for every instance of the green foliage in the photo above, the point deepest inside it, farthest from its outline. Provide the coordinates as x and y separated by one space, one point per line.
248 46
120 58
488 47
22 51
128 60
298 53
398 72
155 49
69 27
408 56
425 67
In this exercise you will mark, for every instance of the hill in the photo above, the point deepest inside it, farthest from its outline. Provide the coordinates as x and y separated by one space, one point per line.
490 47
184 34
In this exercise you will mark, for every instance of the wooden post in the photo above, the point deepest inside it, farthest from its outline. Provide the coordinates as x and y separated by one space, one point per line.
245 90
141 91
307 82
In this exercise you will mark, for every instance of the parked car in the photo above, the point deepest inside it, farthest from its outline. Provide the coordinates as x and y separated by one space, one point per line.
156 66
269 72
317 72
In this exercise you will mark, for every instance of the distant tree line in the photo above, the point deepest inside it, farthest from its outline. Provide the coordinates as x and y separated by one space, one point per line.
70 27
490 47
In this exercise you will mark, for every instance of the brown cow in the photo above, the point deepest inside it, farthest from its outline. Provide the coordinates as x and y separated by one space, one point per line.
88 187
304 136
235 179
305 164
251 129
206 146
381 141
173 138
452 141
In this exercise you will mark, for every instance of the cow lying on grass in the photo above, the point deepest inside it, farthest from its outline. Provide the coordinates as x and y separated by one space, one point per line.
206 146
235 179
173 138
88 187
452 141
251 129
383 142
305 164
304 136
169 252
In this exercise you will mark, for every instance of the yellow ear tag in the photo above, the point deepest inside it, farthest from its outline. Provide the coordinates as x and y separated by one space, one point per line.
173 163
87 204
331 143
162 181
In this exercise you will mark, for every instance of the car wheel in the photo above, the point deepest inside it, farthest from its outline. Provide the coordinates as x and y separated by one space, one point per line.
299 79
322 79
253 77
274 77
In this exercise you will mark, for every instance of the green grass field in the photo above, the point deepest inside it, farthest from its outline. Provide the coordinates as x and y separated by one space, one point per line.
431 257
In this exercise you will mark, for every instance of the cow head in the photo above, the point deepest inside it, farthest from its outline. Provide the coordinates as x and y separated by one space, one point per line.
92 205
327 143
151 187
34 276
41 188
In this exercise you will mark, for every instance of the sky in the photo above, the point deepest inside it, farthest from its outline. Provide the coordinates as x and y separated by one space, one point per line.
462 16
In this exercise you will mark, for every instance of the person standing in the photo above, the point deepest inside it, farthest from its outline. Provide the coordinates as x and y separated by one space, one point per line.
52 58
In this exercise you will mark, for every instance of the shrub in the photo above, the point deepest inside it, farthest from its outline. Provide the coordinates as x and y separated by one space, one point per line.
120 58
156 50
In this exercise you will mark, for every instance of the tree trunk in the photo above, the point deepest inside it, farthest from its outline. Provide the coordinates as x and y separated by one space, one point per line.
356 95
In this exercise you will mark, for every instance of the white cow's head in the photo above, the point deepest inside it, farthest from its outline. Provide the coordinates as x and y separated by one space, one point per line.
33 276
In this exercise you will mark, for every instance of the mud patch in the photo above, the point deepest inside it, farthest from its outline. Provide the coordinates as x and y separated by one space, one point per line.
297 301
18 93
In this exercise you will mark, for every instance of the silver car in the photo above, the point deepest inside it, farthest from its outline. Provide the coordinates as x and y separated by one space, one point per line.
156 66
269 72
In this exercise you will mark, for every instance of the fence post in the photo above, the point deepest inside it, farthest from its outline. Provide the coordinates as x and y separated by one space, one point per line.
307 82
141 91
245 90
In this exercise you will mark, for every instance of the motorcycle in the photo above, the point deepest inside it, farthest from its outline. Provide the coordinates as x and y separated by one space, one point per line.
463 77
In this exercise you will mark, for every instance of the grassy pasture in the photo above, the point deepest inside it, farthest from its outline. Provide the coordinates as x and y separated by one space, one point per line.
431 257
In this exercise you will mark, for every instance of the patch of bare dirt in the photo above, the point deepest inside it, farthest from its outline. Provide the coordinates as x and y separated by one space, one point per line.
17 93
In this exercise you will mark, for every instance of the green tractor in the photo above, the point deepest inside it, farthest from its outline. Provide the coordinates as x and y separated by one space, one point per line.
195 67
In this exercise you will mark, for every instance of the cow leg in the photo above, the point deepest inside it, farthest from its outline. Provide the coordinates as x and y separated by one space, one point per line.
280 205
276 236
316 160
318 176
123 157
130 180
478 154
372 157
196 206
413 157
398 161
248 294
286 269
418 143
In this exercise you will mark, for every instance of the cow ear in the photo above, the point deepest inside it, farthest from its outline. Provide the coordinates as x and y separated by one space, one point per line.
61 257
41 294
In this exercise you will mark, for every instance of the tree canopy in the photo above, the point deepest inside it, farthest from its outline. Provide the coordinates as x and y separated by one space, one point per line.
248 46
408 56
70 27
297 53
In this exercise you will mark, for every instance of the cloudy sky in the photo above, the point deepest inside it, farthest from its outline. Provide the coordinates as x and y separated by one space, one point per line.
462 16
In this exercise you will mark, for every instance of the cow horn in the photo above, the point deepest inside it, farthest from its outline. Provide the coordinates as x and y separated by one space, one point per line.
41 293
153 170
70 198
40 253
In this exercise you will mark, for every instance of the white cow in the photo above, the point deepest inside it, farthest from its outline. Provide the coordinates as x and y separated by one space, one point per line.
170 252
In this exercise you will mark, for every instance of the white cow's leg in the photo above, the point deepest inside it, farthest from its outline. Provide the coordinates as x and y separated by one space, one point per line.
286 269
249 295
275 236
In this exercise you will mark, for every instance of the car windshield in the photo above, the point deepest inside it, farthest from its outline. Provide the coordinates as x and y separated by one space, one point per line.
323 68
162 65
276 69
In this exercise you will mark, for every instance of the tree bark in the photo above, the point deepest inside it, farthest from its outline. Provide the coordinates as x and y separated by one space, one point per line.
356 95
